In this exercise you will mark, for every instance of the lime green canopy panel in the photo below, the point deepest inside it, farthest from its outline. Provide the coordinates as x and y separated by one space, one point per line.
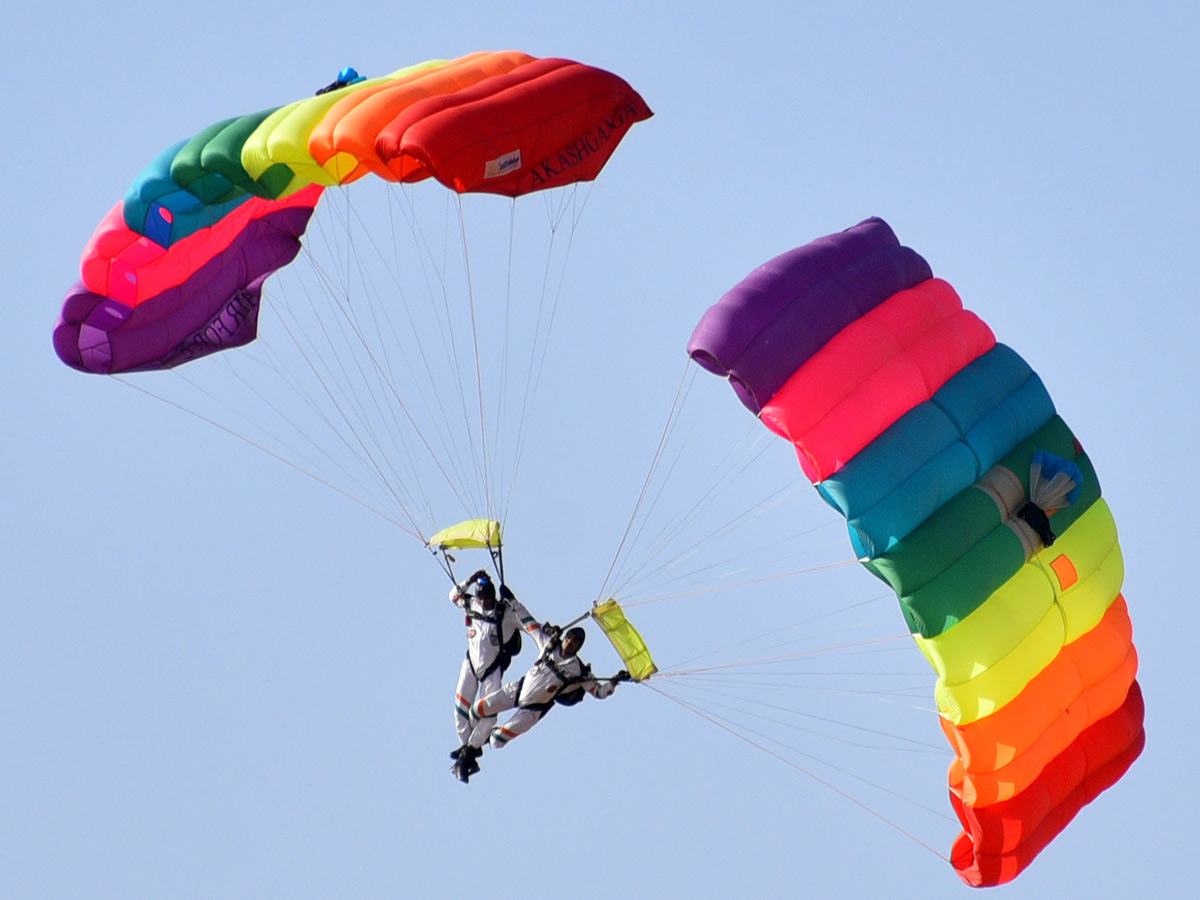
473 534
625 638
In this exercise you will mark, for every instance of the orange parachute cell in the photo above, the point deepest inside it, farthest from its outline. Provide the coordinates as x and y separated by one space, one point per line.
344 140
1088 679
545 124
999 841
1002 755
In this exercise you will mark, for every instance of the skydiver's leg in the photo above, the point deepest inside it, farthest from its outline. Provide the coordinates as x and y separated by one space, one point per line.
520 722
465 693
497 701
483 713
478 735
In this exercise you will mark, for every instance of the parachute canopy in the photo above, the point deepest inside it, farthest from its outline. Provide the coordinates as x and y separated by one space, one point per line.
473 534
175 271
626 639
967 493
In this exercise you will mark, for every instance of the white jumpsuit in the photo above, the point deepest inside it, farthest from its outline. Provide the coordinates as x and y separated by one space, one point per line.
483 667
533 694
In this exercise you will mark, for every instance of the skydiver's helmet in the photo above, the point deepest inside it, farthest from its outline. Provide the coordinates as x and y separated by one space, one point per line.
484 589
577 634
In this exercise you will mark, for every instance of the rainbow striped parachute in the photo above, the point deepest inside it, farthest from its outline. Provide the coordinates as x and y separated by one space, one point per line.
964 490
175 271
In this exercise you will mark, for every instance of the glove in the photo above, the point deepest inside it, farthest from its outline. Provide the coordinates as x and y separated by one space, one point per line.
551 630
482 573
623 675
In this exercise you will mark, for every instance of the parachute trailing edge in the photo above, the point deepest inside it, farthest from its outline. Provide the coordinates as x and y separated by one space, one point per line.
965 491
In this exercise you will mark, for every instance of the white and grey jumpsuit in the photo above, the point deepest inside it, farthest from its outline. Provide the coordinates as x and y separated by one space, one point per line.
483 668
535 693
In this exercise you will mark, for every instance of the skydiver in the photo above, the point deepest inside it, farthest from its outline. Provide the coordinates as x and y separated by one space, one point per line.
558 676
345 77
493 638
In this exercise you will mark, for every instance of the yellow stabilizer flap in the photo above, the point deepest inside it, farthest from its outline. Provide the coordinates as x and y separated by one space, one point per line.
625 638
473 534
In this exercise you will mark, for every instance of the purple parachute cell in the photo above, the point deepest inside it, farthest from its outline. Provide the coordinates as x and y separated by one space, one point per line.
767 326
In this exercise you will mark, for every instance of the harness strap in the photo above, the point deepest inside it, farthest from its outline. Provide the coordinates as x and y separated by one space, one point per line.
585 674
503 658
541 708
496 617
492 666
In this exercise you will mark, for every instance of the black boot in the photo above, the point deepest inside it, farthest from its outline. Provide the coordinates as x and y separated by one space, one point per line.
467 762
470 760
455 754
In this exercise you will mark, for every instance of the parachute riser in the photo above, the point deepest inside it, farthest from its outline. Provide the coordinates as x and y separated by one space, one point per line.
445 561
497 554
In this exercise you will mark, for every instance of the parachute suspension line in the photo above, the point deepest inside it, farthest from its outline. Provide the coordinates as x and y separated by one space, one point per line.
805 623
301 461
329 369
388 386
353 428
862 732
672 529
485 466
912 695
349 324
385 375
464 449
714 708
658 452
540 345
654 556
376 375
717 721
722 475
502 472
269 452
332 373
418 379
250 386
458 449
506 340
783 657
451 449
713 589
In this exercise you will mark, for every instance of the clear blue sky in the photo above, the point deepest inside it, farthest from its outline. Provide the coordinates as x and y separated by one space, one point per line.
220 679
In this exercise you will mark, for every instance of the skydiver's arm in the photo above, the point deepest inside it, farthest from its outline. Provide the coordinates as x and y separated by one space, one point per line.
458 593
521 617
600 689
542 636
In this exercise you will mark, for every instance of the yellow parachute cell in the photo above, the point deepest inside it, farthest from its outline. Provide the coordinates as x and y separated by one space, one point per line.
473 534
625 638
